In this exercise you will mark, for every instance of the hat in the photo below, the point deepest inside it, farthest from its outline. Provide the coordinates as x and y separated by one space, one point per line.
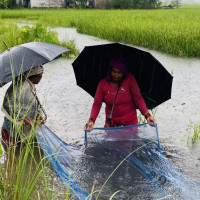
34 71
117 63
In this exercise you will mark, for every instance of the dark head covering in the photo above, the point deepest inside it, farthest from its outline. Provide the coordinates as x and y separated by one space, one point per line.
117 63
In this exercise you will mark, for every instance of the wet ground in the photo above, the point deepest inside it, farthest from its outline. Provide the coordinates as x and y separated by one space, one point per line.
68 106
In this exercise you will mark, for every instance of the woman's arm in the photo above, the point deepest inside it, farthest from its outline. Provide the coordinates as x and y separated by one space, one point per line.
98 99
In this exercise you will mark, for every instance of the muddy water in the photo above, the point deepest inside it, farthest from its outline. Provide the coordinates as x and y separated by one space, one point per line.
68 106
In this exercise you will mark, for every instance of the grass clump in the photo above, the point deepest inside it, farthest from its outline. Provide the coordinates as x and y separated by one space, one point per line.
38 33
194 132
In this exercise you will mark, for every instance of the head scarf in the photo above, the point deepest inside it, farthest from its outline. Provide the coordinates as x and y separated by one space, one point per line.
34 71
117 63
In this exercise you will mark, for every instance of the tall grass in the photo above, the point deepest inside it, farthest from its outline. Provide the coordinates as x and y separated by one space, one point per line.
25 165
173 31
25 174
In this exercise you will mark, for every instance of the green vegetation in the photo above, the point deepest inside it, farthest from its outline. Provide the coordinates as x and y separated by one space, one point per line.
14 35
136 4
25 167
173 31
10 4
24 175
194 132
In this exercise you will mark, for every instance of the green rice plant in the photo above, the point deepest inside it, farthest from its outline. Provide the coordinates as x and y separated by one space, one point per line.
20 182
173 31
194 132
18 176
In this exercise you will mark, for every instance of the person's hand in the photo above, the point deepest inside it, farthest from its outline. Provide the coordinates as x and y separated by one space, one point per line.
89 125
151 119
31 122
42 120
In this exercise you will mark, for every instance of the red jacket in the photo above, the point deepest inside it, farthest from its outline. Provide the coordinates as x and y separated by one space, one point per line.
128 99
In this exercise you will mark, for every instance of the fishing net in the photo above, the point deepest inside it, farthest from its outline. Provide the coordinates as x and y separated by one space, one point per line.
117 163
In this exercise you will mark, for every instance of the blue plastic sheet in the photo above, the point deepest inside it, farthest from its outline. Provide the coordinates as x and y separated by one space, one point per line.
125 161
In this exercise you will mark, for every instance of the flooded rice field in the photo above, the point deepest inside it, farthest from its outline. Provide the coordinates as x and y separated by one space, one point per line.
68 106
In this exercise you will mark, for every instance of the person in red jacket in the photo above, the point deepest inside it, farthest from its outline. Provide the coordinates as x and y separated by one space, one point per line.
121 89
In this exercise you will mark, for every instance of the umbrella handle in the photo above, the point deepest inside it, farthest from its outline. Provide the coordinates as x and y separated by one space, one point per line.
6 45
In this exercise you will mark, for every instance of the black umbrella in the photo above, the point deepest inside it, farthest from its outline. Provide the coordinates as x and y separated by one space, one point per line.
154 80
21 58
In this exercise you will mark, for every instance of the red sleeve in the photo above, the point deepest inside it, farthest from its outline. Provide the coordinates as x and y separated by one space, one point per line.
98 99
137 97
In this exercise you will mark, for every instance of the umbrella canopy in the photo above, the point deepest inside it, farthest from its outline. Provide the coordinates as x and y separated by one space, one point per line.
21 58
154 81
